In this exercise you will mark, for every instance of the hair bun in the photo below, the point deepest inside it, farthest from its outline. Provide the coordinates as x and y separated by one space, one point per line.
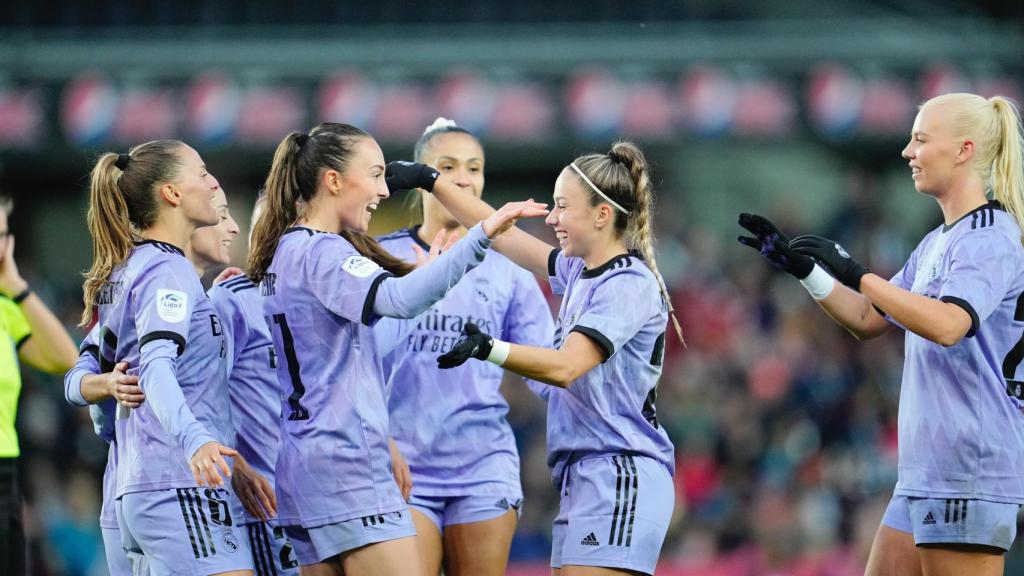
441 123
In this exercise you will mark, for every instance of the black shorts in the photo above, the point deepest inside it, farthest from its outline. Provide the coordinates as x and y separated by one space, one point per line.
12 534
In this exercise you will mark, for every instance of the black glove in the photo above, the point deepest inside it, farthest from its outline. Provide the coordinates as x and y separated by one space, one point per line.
402 175
832 256
472 344
774 246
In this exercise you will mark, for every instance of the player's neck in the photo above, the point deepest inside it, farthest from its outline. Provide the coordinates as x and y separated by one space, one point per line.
175 232
604 252
961 200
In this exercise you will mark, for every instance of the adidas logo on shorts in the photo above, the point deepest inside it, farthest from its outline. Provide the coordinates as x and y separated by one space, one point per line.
590 540
928 519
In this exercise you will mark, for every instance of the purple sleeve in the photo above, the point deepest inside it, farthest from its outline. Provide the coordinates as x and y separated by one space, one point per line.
163 302
88 363
163 394
560 268
618 308
982 265
410 295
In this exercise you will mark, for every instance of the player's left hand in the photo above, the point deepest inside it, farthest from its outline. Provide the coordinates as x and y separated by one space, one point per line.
833 257
253 490
400 468
472 344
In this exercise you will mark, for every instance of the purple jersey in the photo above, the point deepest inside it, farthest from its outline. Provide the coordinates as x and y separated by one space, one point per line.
451 426
961 427
252 374
334 462
154 297
610 409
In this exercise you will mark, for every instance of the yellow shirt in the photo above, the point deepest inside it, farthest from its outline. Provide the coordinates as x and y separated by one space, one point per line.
14 326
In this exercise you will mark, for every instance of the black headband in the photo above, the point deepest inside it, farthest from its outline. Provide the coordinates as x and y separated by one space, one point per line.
122 161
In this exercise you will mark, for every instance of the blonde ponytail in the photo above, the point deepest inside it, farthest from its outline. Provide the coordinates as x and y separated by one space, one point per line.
641 230
109 227
122 202
1008 166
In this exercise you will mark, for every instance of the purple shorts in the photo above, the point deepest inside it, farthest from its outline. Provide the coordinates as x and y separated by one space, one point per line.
321 543
186 531
448 510
614 513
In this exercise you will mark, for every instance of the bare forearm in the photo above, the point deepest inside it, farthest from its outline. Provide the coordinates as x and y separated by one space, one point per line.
545 365
55 351
95 388
854 312
938 321
523 249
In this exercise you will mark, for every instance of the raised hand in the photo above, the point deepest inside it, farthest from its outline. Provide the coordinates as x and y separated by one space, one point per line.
403 175
833 257
774 246
472 344
438 245
506 216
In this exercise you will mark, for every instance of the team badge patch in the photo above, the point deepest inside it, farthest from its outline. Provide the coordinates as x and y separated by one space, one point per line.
359 266
171 305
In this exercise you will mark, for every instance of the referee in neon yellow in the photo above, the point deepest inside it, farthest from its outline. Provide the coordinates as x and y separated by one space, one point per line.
31 333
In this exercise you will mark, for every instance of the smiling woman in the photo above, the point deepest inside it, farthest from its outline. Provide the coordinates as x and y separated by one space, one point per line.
326 284
211 245
959 298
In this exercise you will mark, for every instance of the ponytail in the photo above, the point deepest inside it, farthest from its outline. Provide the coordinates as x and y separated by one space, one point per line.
641 231
1008 166
122 202
280 210
292 184
109 227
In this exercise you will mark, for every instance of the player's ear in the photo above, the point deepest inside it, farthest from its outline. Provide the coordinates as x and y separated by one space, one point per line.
604 216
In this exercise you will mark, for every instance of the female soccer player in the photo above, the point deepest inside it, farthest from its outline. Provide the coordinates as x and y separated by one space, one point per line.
255 399
337 499
254 402
452 428
153 314
611 460
960 298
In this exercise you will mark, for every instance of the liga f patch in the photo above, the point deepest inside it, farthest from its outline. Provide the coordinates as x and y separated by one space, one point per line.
171 305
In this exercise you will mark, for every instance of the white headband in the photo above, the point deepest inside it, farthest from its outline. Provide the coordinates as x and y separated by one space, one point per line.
596 189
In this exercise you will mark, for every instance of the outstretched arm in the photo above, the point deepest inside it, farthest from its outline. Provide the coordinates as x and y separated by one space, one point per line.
520 247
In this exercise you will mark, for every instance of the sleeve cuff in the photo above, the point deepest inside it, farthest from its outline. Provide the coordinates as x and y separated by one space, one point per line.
602 342
73 390
552 260
371 297
164 335
22 342
975 322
